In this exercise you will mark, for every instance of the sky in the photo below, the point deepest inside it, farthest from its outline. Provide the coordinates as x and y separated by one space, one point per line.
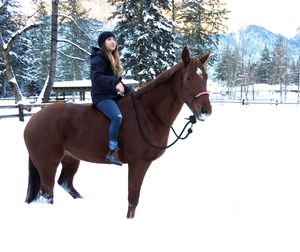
232 185
276 16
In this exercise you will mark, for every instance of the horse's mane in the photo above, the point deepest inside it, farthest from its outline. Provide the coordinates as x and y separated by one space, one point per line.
164 76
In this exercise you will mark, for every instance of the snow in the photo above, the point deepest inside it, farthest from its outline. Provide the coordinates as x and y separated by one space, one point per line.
72 84
233 185
87 83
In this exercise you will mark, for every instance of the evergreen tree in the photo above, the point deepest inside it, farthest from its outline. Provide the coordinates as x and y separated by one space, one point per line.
145 34
74 39
294 73
40 51
264 67
201 23
229 68
279 61
298 69
76 34
280 66
298 82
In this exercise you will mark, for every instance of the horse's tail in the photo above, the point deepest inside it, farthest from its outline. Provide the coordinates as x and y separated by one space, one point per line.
34 183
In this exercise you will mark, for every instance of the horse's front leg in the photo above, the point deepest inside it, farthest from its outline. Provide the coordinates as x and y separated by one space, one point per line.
136 173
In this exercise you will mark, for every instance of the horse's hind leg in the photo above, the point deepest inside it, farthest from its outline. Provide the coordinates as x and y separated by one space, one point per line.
69 168
47 175
136 174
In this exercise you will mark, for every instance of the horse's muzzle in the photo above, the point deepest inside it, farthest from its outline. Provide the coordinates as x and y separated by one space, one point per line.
203 112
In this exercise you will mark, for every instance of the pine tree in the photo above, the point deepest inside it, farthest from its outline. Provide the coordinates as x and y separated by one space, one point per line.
298 82
40 51
74 41
229 68
294 73
201 22
280 64
145 34
279 61
264 67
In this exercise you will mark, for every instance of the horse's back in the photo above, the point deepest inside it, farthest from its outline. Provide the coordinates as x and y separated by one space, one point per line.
57 115
60 125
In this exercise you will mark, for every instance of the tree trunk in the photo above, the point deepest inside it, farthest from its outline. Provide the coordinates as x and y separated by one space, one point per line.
5 49
9 70
173 15
53 53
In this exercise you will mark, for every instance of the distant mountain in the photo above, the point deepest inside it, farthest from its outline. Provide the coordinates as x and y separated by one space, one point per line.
296 39
254 38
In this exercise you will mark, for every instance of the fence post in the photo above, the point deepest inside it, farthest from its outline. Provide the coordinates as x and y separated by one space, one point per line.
21 112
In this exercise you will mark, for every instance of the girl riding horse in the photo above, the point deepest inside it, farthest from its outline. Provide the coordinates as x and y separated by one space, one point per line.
107 88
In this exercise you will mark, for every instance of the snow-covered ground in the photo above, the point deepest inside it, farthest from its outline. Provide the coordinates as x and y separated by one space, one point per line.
233 185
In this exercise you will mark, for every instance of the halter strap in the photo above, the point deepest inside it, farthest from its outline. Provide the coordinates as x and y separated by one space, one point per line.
202 93
196 96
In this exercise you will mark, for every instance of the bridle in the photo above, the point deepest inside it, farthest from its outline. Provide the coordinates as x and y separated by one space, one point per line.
193 97
201 94
191 120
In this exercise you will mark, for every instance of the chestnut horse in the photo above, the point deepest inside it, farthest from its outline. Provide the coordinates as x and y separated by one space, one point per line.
67 133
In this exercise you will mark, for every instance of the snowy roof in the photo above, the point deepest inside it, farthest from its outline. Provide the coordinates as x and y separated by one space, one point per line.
87 83
74 83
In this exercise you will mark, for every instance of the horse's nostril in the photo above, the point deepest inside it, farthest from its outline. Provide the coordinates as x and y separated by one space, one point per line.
203 110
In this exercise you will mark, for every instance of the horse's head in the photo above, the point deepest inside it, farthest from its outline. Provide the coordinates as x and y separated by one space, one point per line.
193 91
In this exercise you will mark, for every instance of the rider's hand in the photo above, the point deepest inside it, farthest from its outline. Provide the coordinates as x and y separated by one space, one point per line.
120 88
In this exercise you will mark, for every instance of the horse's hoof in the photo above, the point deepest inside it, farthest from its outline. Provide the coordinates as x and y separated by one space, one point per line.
131 212
44 199
76 195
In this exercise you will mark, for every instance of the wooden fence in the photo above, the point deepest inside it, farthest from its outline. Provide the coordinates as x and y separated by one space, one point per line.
20 110
257 101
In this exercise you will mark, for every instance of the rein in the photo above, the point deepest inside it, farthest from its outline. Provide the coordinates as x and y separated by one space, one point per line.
191 120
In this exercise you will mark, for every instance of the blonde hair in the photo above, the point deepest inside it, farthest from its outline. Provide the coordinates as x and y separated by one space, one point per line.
114 59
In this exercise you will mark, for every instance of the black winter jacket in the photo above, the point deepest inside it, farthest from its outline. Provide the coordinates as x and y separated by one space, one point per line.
103 79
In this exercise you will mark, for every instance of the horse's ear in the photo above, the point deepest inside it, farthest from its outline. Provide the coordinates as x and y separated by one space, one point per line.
185 55
204 58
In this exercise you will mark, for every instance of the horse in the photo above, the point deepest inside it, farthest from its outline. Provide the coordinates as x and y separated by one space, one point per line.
68 132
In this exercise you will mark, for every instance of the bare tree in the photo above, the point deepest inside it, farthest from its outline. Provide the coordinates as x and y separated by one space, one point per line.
5 49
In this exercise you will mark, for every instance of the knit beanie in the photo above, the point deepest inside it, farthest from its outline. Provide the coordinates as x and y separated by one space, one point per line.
103 36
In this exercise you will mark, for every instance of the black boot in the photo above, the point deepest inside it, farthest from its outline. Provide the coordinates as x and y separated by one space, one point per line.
113 157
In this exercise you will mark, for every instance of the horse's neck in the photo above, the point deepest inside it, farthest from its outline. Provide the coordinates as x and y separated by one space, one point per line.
162 102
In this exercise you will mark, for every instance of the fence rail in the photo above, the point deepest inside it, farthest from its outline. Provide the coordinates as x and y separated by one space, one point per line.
23 110
26 110
257 101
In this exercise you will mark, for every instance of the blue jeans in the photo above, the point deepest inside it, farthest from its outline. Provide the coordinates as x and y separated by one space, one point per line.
111 109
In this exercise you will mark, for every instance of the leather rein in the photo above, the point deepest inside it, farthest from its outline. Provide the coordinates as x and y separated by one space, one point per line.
191 120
